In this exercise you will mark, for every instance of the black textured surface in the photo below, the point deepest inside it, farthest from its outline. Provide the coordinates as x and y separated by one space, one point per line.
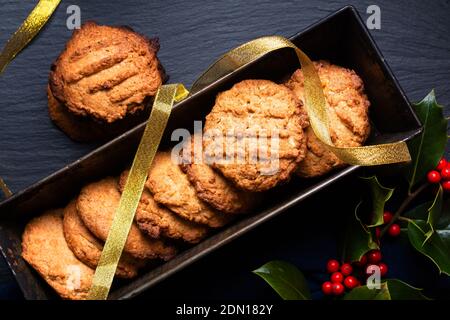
414 39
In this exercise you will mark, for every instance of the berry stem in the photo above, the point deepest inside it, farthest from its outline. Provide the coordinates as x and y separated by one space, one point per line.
411 196
405 219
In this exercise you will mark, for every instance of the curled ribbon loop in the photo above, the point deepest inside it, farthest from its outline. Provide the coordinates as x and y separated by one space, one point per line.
134 186
315 100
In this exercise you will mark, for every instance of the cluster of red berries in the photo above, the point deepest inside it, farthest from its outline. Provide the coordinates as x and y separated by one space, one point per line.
441 174
345 277
394 229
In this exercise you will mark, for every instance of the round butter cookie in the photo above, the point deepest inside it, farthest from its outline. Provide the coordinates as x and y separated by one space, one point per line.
97 204
88 249
171 187
45 249
106 72
348 112
85 129
156 220
254 134
212 187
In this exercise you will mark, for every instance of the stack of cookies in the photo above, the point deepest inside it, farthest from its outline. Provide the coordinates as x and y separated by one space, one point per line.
101 83
184 201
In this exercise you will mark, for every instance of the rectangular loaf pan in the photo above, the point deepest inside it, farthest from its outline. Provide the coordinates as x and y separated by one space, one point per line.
341 38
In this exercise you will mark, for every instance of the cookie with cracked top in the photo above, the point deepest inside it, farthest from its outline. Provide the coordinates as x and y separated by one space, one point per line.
97 205
88 249
262 123
106 72
156 220
45 249
348 112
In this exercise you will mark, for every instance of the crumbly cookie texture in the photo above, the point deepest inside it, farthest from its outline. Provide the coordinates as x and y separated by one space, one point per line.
97 204
159 221
252 110
85 129
106 72
171 187
348 112
211 185
45 249
88 249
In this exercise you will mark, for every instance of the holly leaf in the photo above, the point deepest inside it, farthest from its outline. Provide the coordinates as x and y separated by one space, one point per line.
285 279
392 289
427 148
444 219
436 247
379 196
434 214
357 240
420 212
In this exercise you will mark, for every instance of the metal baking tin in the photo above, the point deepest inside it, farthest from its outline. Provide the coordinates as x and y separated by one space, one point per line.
341 38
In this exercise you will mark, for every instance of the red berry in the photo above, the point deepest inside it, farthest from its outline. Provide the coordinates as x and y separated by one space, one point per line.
383 268
346 269
337 277
327 288
338 289
351 282
374 256
332 266
387 217
434 176
394 230
446 185
442 164
362 261
445 173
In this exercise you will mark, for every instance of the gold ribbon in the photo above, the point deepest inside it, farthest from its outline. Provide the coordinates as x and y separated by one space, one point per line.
236 58
27 31
123 218
315 100
6 191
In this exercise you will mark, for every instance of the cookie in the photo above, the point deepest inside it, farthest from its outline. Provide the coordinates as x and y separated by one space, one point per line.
106 72
241 134
156 220
45 249
84 129
212 187
97 205
87 248
171 188
348 112
77 128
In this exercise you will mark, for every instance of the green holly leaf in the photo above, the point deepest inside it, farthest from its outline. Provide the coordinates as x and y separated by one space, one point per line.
357 239
391 289
285 279
444 219
427 149
434 213
379 196
420 212
436 247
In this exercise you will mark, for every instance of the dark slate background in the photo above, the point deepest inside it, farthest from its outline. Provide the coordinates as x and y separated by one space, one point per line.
414 39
